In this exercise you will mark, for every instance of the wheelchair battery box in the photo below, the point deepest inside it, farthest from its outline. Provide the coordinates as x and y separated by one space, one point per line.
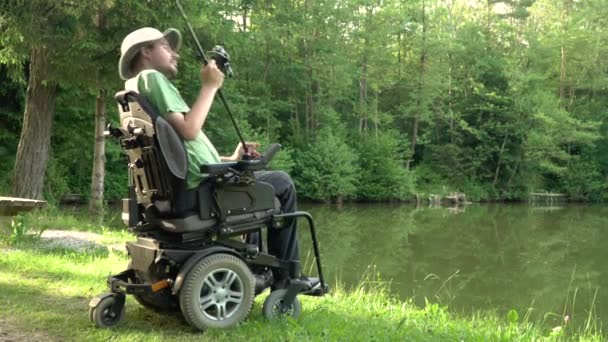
146 254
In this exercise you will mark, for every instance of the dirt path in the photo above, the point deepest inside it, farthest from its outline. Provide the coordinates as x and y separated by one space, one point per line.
9 333
80 241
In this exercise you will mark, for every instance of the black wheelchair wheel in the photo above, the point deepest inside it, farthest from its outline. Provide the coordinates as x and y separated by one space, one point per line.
275 308
218 292
105 313
160 302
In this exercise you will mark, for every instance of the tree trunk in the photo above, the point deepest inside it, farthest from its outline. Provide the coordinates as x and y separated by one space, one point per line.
514 171
363 97
244 17
376 119
562 78
309 110
422 68
562 64
99 158
497 171
450 7
33 150
296 115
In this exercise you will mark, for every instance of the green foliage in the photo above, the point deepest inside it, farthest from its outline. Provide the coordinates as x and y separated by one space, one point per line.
499 100
18 231
56 184
327 169
11 97
383 176
583 180
512 316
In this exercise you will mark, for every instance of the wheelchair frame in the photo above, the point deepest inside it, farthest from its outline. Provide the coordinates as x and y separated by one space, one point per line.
176 236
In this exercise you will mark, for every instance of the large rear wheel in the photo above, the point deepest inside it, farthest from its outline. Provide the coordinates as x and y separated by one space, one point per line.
218 292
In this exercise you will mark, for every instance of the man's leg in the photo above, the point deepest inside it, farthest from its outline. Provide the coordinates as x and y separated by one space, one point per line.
282 242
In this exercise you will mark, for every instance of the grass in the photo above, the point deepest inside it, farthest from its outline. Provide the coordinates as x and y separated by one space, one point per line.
47 291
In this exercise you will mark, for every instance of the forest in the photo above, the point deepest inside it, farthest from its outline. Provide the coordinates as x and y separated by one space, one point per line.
371 100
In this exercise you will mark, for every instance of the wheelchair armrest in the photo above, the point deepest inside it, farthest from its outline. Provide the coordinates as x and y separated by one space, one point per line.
217 169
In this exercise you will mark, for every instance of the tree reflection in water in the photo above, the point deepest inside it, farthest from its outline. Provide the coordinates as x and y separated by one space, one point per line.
486 257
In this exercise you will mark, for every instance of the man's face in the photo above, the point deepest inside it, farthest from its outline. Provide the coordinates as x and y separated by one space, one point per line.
163 58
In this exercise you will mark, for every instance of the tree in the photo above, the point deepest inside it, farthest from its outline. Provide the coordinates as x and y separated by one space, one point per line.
328 169
32 153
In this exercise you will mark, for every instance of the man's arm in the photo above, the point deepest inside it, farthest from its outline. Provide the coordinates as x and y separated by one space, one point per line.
190 124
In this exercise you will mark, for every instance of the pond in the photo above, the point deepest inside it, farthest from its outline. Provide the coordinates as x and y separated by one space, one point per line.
544 262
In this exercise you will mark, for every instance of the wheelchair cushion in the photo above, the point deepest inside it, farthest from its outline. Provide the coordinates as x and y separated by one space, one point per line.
187 224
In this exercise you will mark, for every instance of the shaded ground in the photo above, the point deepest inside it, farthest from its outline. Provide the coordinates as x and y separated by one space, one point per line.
80 241
8 333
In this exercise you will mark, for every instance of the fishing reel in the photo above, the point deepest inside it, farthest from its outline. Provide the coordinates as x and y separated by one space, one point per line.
222 60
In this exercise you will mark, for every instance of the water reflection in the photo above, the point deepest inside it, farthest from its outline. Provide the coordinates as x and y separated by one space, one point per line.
488 257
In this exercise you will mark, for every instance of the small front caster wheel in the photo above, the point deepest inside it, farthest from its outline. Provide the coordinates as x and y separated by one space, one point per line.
107 310
275 308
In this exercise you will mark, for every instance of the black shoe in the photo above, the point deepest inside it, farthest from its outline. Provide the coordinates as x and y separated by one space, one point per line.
314 287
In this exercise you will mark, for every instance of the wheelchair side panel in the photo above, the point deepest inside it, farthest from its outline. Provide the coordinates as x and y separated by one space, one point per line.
236 199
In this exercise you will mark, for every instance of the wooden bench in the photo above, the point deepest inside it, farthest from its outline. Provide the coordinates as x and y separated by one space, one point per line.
11 206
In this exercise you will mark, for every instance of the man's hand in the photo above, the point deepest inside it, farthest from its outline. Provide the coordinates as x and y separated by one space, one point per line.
251 149
211 75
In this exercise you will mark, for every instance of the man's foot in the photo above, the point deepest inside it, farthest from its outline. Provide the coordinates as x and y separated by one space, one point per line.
314 287
311 286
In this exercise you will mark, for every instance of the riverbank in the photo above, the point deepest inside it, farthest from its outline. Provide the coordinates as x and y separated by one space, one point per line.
45 285
43 289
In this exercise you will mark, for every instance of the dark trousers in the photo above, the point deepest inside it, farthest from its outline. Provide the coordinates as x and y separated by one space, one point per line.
282 242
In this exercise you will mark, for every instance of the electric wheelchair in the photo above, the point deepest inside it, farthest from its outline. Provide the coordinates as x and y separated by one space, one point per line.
197 250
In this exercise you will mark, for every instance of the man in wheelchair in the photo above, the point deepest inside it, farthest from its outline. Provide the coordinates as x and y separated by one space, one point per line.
190 201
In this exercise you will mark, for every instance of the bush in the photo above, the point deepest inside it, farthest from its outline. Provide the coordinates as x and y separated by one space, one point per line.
583 181
327 170
383 176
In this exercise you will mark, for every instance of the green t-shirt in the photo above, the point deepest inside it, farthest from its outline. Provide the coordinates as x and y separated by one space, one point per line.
163 95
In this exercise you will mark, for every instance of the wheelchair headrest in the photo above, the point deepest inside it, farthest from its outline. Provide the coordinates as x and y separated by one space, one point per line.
123 98
120 97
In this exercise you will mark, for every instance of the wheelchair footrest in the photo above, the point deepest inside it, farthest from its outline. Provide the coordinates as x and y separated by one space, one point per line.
317 291
124 282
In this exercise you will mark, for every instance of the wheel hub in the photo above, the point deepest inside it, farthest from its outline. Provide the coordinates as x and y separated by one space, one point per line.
221 294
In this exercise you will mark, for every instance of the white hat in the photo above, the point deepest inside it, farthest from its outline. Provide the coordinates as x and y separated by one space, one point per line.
138 39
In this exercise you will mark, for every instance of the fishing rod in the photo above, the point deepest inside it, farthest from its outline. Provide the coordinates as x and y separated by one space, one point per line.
222 54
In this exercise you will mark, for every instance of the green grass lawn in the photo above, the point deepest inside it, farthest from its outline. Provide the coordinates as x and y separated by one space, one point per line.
47 291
